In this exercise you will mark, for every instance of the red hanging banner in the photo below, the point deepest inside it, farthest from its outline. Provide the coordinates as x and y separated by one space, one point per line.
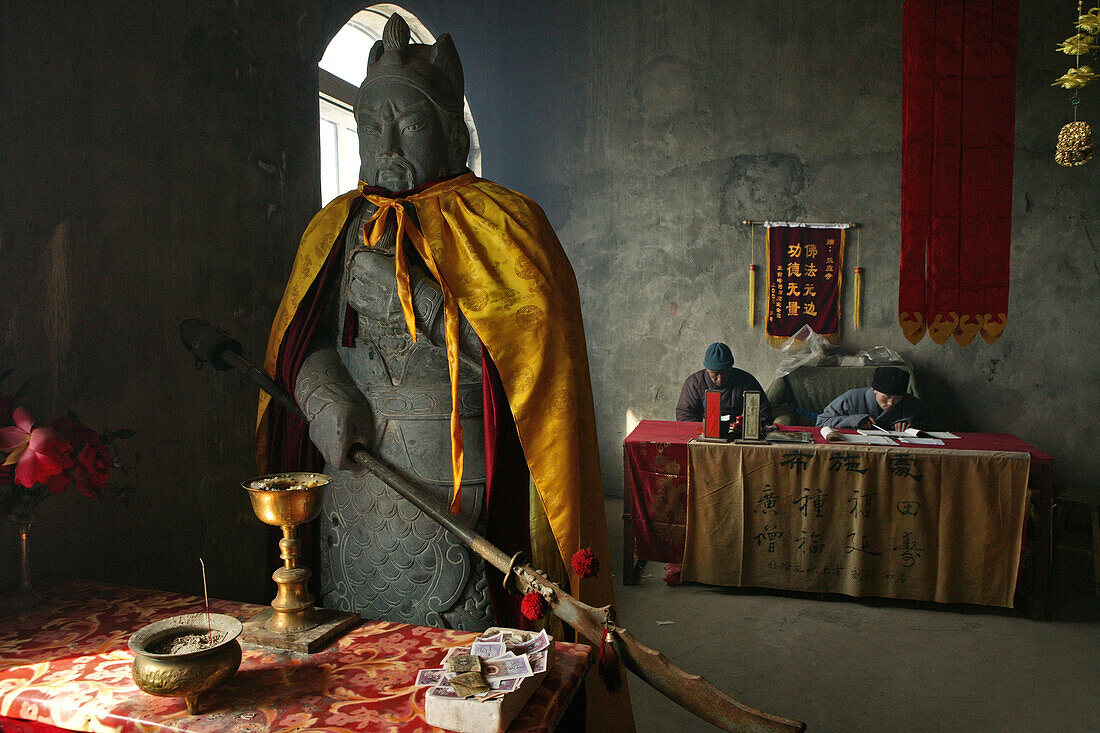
804 273
958 138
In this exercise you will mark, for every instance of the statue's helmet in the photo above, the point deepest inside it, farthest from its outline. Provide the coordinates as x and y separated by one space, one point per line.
434 70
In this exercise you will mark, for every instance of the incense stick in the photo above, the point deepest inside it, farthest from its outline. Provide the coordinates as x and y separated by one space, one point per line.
206 599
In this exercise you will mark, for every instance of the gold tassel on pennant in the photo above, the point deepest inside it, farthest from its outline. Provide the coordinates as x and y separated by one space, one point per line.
857 308
752 276
752 295
859 289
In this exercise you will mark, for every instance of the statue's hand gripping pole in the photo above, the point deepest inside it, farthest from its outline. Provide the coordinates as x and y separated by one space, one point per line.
694 693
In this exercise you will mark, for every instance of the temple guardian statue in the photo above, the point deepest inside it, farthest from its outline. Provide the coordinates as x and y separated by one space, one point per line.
432 317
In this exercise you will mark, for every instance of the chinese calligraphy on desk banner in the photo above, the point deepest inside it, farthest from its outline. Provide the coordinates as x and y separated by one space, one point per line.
804 267
926 525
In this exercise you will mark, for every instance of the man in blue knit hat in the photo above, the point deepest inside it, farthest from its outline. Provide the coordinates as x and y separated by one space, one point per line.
718 373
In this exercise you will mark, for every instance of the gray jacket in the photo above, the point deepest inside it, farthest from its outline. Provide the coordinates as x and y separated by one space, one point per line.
849 409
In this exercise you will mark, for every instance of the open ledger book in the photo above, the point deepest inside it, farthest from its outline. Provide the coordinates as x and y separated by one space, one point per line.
912 435
832 435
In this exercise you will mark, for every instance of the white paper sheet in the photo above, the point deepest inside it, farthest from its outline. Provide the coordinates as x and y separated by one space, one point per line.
833 436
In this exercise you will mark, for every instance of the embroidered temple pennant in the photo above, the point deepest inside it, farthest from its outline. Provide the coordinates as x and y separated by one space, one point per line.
958 128
804 273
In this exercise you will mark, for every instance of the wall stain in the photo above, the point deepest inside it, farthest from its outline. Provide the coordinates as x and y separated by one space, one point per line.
58 310
763 187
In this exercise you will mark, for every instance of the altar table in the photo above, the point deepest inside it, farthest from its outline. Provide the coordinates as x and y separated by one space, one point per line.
656 488
66 665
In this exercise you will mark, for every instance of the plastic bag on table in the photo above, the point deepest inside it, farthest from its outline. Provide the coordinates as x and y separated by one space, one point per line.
805 348
880 355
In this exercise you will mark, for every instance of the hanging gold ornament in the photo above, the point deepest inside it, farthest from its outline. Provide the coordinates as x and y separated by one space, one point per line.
1075 78
1074 144
1079 45
1075 139
1089 22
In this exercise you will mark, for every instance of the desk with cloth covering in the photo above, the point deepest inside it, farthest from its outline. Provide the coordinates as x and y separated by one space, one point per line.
931 523
65 665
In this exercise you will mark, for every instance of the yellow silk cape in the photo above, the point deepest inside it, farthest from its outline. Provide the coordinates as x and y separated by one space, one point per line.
497 259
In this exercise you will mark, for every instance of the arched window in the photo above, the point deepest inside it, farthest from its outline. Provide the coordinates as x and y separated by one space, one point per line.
341 71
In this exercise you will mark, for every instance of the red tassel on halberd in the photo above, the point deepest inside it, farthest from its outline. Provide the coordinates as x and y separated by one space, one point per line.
585 563
608 662
534 606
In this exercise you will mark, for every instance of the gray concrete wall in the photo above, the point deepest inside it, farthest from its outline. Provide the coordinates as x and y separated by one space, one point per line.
160 162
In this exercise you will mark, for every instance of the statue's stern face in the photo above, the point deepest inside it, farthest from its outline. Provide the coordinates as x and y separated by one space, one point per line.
401 138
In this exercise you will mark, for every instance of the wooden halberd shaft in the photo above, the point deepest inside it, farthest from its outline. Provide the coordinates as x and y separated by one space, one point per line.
692 692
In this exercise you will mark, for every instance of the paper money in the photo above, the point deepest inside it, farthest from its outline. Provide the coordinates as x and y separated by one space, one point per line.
468 684
515 638
462 663
432 677
455 652
443 691
538 660
535 644
499 636
504 685
508 667
487 649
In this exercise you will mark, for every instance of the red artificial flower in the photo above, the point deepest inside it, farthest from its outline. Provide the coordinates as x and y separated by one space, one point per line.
585 563
74 432
672 574
38 453
534 606
57 484
93 468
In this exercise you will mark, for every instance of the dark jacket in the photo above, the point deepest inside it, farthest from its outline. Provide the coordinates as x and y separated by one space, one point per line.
691 406
849 409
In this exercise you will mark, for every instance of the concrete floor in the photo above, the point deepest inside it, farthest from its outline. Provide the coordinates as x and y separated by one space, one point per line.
851 665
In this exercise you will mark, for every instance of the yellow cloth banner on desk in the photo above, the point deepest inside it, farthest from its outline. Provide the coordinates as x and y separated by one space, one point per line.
919 524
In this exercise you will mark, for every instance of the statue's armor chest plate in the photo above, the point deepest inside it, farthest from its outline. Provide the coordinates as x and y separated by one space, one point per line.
381 556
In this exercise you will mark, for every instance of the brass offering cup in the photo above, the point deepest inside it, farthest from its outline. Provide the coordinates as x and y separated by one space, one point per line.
158 672
286 500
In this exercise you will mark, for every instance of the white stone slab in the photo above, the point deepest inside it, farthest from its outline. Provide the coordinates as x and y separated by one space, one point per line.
486 716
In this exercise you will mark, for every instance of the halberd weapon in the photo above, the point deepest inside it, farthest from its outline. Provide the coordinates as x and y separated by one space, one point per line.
692 692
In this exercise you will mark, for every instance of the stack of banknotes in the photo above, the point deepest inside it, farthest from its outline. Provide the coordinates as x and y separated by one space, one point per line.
489 668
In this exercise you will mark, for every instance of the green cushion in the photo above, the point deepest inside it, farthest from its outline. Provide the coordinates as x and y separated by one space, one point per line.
798 397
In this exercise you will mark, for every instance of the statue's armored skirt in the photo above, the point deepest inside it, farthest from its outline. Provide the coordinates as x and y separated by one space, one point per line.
380 555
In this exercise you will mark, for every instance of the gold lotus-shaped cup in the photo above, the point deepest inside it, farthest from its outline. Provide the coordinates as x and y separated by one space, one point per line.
186 674
286 499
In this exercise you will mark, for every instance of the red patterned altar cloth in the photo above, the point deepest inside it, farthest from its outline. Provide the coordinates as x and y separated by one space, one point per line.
66 664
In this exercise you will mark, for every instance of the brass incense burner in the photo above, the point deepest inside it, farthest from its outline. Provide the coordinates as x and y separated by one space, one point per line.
168 669
286 500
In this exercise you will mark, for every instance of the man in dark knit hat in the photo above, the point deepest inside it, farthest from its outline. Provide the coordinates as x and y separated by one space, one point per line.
886 404
718 373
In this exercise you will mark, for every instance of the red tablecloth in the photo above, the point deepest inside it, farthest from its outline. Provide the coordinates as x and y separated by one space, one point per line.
67 664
